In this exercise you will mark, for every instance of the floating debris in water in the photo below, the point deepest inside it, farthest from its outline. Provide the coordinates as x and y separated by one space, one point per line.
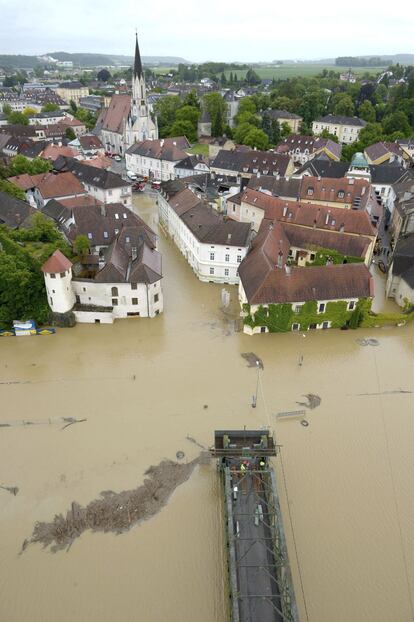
13 490
313 401
114 512
368 342
252 359
180 455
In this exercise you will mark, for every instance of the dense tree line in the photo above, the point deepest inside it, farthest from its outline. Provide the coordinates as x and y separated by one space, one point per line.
22 253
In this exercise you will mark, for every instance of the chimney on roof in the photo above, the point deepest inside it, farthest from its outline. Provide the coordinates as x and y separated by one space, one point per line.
229 237
280 259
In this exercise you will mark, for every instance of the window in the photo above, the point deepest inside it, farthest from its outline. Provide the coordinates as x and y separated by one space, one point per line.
134 301
125 215
227 257
263 329
295 326
90 236
116 231
341 194
226 272
110 192
312 256
114 291
211 270
312 326
351 305
310 191
156 297
134 285
52 275
239 258
62 275
211 256
234 208
114 302
127 239
105 235
297 308
321 308
117 216
325 325
84 289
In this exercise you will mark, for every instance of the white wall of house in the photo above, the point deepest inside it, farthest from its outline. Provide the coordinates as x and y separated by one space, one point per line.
398 289
213 263
41 201
197 170
144 301
121 195
346 134
163 170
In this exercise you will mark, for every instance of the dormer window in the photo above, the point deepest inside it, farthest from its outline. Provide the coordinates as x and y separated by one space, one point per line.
90 236
105 234
125 215
117 216
341 194
310 192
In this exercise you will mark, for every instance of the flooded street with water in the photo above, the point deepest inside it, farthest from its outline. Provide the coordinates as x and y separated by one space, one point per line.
346 481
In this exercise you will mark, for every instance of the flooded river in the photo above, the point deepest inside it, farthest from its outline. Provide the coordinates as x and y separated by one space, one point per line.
346 480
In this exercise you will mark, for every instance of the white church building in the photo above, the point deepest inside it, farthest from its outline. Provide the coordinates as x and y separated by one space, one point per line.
128 120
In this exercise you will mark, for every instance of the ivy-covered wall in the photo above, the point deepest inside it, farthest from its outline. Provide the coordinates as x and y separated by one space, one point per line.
280 317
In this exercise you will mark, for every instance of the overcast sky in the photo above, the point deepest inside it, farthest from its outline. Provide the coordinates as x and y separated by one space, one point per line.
215 30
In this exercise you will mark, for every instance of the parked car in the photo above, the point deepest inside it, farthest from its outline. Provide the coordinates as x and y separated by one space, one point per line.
156 185
131 175
139 186
117 158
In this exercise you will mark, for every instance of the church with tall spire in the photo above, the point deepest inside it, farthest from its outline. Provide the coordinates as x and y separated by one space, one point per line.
140 125
128 119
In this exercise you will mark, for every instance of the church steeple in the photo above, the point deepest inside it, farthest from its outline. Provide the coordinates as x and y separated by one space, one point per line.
137 62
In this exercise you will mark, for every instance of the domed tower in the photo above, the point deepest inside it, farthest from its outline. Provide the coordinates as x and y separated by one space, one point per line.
57 271
359 167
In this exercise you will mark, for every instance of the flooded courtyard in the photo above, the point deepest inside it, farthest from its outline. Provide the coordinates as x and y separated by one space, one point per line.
143 386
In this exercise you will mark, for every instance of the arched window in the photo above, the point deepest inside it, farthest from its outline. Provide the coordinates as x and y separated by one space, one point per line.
114 291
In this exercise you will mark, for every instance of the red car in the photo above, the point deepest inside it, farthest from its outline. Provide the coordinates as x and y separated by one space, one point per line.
156 185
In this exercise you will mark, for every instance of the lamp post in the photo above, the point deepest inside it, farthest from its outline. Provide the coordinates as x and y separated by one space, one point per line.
254 397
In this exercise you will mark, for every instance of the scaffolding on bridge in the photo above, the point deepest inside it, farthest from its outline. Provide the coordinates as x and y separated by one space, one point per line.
260 579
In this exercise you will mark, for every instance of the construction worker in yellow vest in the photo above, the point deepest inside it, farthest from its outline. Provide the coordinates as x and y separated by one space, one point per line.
242 467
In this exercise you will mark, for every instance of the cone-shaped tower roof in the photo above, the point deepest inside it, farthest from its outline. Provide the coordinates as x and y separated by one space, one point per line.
137 61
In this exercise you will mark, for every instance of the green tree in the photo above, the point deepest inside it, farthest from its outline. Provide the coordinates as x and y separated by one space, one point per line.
191 99
103 75
285 130
17 118
367 111
241 131
29 112
216 107
184 128
70 133
188 113
19 165
81 245
50 107
326 134
11 189
166 109
396 122
256 138
343 104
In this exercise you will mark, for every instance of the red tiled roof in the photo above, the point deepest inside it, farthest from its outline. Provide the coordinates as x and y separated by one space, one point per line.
57 263
310 215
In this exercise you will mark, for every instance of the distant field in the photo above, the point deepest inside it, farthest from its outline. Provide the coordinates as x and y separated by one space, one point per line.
162 70
298 69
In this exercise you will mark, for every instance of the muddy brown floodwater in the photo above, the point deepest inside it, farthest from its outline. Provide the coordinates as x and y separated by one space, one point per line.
346 480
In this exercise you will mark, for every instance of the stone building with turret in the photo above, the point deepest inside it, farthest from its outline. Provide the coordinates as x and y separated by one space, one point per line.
128 119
